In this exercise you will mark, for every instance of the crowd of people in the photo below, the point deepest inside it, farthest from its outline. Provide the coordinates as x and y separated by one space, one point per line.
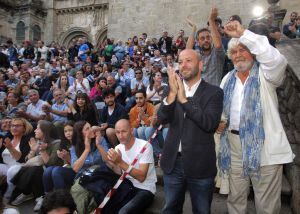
73 120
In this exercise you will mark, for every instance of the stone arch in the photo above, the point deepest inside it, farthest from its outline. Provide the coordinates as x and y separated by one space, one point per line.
20 32
36 33
101 36
73 33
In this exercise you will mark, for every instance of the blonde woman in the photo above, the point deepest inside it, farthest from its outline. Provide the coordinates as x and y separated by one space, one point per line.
14 151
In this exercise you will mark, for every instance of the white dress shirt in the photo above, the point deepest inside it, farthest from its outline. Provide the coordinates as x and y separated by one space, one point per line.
236 103
189 92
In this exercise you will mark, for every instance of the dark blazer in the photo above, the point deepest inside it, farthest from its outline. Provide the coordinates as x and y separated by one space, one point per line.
118 113
195 130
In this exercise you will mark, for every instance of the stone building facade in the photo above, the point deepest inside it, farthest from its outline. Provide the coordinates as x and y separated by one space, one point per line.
63 20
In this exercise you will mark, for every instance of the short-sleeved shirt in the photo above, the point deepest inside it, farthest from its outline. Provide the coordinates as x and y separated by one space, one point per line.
134 82
213 66
82 48
146 157
61 107
36 110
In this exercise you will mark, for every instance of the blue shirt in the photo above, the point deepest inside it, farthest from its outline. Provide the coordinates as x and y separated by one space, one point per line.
134 82
60 107
83 47
93 158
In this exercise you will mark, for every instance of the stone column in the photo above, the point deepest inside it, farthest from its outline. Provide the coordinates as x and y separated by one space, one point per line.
50 26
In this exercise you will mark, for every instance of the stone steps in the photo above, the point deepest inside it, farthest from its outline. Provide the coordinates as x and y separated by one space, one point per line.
218 204
219 201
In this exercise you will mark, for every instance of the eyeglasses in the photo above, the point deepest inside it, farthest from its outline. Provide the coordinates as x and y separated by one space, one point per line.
16 125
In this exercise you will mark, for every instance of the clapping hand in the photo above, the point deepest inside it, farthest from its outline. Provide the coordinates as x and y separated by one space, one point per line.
172 80
114 156
7 143
33 144
181 97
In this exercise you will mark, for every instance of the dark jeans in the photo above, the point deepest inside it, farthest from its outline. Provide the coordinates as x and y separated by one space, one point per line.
138 204
175 185
57 177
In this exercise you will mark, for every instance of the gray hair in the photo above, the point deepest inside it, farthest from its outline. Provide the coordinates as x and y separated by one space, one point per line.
232 44
33 91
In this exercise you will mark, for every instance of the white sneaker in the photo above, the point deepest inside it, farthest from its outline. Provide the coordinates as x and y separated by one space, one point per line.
21 199
38 205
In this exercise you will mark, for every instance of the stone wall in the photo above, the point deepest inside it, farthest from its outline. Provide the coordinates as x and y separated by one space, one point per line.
289 107
128 18
77 18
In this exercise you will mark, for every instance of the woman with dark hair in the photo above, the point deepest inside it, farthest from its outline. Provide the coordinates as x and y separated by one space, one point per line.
156 88
88 151
63 82
43 153
22 90
58 177
83 109
100 85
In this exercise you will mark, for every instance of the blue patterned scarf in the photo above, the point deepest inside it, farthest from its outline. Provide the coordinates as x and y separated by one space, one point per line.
251 124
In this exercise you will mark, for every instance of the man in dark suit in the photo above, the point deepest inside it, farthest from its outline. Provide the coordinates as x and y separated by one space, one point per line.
193 109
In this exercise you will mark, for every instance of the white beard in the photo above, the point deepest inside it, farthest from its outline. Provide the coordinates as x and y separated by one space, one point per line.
243 66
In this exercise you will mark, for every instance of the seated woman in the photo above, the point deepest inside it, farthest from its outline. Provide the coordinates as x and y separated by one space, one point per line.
156 88
43 153
88 150
14 151
22 90
83 109
96 91
58 177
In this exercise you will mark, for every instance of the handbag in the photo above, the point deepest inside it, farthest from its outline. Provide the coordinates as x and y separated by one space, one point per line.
35 161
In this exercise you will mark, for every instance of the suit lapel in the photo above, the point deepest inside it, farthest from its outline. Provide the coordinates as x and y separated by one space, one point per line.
200 90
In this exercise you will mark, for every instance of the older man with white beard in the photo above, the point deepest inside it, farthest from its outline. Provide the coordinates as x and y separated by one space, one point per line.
253 142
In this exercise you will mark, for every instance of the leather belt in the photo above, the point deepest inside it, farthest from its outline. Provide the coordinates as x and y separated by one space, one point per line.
236 132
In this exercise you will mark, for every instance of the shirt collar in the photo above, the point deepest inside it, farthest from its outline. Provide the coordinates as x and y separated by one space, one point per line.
193 88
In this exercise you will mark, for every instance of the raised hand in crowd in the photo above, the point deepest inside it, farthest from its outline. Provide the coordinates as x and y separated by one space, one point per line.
213 14
104 126
234 29
141 114
7 143
21 113
293 28
46 108
121 72
33 144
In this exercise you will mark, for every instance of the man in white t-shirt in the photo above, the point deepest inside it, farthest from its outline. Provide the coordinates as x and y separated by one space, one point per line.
142 175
